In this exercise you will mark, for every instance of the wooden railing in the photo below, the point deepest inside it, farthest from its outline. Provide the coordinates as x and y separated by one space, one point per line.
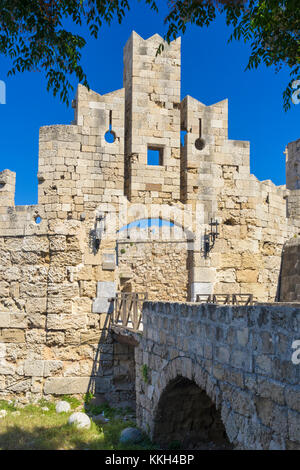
127 309
128 306
226 299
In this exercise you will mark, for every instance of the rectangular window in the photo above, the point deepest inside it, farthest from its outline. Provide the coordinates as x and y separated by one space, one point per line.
155 156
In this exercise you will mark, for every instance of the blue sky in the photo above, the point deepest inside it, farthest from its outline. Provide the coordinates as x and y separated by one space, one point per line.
212 70
143 223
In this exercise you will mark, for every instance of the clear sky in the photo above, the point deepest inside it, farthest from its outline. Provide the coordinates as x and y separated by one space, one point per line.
212 70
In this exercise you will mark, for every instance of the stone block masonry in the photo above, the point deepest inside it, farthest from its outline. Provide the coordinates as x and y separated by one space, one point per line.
241 357
159 268
290 272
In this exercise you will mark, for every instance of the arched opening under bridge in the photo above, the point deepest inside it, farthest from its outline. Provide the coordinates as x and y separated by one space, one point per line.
187 418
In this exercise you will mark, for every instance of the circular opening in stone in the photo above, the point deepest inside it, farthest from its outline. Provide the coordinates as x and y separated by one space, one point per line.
37 219
110 137
199 143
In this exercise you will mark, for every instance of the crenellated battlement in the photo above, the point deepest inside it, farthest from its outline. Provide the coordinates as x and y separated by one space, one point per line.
7 189
152 119
292 153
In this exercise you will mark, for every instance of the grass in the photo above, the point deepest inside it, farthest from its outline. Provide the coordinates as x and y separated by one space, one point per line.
32 428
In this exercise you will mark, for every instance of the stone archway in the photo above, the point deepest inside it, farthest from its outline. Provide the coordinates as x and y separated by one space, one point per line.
187 417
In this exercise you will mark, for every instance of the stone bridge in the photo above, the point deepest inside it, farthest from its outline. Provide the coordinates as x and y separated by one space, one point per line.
222 374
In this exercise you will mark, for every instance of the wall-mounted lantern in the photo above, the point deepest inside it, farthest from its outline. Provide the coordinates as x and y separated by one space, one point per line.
99 228
97 233
209 238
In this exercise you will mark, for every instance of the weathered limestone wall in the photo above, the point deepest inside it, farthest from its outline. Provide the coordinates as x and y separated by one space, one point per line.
81 175
199 164
240 356
49 337
254 228
78 169
159 268
255 218
290 272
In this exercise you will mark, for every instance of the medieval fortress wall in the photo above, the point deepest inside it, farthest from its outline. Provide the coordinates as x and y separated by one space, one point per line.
62 259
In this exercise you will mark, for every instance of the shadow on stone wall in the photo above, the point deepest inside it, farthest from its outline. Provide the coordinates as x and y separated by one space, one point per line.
102 364
278 291
113 373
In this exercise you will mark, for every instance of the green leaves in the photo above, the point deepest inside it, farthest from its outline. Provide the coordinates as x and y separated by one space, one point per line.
31 33
271 26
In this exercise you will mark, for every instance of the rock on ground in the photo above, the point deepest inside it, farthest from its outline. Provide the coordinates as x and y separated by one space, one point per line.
133 435
62 406
3 413
81 420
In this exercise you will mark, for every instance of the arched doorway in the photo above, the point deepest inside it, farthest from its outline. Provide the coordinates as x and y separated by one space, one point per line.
186 417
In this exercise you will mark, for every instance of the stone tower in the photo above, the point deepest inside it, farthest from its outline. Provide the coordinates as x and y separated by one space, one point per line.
152 118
